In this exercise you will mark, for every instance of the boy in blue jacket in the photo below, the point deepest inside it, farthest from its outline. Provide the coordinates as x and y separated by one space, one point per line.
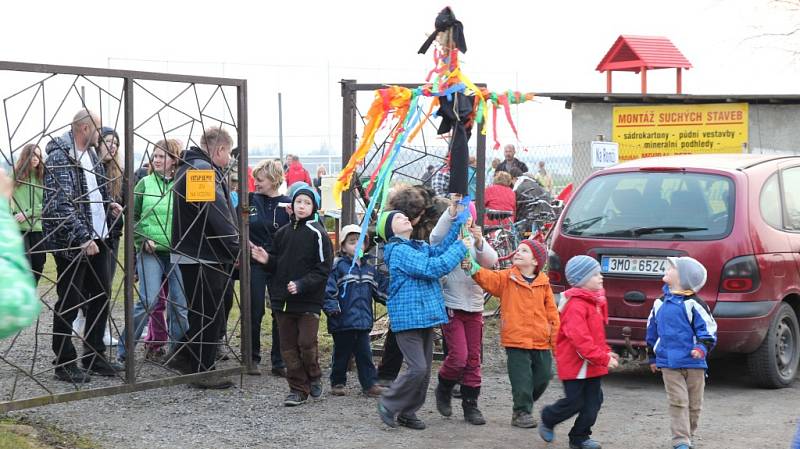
680 334
348 304
416 305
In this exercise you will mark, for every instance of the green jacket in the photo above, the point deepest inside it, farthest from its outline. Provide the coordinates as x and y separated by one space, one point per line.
152 211
28 199
19 302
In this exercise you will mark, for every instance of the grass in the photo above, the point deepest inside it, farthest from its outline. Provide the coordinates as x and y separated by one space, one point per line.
24 433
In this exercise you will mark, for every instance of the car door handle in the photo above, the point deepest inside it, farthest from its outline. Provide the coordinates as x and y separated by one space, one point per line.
634 296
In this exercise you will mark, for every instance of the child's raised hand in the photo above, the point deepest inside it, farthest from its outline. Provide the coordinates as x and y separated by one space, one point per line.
477 236
612 363
697 354
259 254
292 287
455 198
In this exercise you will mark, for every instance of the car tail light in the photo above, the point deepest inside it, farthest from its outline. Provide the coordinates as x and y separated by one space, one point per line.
740 275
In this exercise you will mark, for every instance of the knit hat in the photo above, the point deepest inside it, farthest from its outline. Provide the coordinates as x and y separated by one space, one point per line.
384 226
539 252
347 230
301 188
580 268
692 274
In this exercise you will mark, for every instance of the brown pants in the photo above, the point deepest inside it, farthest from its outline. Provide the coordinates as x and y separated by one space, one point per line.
298 334
685 395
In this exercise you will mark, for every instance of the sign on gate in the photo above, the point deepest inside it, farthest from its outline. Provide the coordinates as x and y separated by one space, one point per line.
604 154
200 186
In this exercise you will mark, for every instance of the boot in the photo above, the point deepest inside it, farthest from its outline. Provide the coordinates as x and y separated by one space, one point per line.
469 402
443 398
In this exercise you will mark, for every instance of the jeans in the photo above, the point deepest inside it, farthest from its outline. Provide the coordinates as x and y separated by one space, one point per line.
345 344
82 282
299 349
152 269
259 279
464 335
584 397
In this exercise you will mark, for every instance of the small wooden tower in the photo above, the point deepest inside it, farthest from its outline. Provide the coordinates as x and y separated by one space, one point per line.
640 54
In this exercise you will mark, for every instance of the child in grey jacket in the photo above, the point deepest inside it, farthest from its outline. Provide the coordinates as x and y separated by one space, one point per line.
463 334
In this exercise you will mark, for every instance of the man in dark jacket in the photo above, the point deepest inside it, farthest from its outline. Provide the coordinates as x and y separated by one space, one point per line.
206 241
75 218
510 161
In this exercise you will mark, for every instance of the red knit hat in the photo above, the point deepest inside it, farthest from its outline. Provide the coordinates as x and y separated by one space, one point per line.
539 252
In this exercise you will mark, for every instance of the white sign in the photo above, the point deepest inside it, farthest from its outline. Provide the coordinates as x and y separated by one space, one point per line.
604 154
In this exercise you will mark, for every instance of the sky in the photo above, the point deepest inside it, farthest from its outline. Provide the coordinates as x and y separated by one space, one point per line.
302 49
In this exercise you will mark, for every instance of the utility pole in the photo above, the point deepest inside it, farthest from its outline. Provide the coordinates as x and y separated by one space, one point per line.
280 127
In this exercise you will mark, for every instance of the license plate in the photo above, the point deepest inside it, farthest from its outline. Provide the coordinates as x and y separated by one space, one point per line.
633 265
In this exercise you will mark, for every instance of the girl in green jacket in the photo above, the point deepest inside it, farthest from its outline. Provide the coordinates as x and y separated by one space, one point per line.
26 204
152 212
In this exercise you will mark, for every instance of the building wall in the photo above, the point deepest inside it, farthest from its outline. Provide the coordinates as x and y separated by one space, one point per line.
771 128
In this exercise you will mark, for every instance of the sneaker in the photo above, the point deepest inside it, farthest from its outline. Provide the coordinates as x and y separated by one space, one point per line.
589 444
523 420
108 340
338 390
212 383
316 390
412 422
103 367
374 391
546 433
294 399
71 373
280 372
682 446
386 416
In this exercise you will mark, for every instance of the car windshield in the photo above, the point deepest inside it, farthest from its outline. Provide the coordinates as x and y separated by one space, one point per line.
653 206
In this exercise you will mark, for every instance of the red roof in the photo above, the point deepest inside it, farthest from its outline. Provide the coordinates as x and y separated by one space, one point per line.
631 53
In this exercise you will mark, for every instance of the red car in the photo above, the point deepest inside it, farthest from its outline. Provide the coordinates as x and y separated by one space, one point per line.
738 214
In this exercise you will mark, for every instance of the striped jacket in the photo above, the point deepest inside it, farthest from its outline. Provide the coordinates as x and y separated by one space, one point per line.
678 324
66 214
349 294
415 295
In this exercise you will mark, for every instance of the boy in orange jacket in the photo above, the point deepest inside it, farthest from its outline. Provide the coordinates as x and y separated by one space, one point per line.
529 325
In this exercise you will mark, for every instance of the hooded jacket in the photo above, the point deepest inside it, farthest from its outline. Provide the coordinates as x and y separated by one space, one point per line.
415 295
459 290
203 230
296 173
301 253
349 294
152 211
528 314
66 214
678 324
581 349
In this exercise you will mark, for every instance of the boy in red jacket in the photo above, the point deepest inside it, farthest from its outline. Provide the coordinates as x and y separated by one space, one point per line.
582 355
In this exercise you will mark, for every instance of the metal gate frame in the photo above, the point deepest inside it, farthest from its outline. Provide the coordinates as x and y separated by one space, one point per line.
128 77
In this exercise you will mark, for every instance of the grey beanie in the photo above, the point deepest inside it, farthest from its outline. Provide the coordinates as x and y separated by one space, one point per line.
691 273
580 268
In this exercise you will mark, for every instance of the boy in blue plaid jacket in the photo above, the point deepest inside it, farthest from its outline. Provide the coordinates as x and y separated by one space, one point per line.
416 305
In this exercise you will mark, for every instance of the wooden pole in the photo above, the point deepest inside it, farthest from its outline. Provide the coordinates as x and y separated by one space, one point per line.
679 81
608 81
644 80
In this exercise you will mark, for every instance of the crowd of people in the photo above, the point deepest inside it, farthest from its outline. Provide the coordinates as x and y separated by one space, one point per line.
438 267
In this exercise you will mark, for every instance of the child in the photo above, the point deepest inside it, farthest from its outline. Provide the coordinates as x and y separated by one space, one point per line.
680 334
300 260
415 306
582 355
348 304
463 299
529 324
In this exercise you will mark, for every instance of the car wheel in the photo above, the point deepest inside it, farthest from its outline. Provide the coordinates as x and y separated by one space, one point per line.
774 363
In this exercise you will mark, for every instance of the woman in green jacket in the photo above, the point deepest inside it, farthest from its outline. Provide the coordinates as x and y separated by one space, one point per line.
26 204
152 212
19 303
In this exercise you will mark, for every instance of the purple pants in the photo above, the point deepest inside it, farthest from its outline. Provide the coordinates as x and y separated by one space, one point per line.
463 335
157 335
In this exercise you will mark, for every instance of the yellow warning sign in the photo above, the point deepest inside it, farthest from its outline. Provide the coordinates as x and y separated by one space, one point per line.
648 131
200 186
